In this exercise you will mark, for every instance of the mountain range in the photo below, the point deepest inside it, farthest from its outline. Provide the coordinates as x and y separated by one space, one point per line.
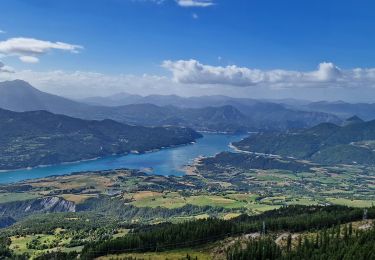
207 113
341 109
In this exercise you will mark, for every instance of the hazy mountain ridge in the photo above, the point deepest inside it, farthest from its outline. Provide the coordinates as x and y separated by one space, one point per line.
207 113
342 109
20 96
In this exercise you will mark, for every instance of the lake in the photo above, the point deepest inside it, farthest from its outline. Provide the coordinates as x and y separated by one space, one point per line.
169 161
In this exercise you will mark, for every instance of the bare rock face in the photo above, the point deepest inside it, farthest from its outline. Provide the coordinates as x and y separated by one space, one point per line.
52 204
20 209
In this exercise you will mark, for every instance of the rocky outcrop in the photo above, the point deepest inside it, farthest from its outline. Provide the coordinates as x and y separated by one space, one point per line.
20 209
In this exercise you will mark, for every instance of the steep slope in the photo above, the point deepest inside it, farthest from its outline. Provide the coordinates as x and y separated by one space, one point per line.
36 138
20 209
20 96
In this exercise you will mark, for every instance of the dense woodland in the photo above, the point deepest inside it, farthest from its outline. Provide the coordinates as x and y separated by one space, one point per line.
246 161
329 244
330 241
193 233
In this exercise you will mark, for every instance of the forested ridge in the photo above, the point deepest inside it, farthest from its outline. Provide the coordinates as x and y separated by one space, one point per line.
30 139
325 143
192 233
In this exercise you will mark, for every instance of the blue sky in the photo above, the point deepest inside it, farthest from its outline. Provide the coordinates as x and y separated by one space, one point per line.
135 37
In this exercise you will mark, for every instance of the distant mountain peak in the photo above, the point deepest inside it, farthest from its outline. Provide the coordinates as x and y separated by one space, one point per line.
353 120
18 86
15 83
20 96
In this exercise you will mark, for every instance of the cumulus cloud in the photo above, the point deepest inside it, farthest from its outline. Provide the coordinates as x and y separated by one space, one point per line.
195 3
28 48
326 82
190 77
29 59
194 72
327 71
5 69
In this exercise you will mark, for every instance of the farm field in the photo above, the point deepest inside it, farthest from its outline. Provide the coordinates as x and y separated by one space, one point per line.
94 205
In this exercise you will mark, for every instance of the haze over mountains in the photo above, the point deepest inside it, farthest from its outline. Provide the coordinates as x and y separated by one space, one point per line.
207 113
342 109
366 111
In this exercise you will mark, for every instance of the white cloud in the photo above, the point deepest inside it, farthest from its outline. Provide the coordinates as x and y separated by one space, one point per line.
183 3
29 47
5 69
195 16
327 75
29 59
194 72
193 78
327 71
195 3
2 31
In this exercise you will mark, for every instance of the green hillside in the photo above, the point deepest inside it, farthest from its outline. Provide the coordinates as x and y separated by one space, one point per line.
326 143
30 139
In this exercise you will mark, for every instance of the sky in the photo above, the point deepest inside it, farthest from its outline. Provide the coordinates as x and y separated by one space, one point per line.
311 49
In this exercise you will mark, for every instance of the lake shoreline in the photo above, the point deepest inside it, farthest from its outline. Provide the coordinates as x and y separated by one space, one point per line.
134 152
166 161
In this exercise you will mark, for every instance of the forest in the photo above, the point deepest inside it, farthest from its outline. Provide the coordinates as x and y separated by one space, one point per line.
331 244
193 233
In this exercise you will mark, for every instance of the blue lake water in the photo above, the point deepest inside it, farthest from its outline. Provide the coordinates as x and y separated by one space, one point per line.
164 162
